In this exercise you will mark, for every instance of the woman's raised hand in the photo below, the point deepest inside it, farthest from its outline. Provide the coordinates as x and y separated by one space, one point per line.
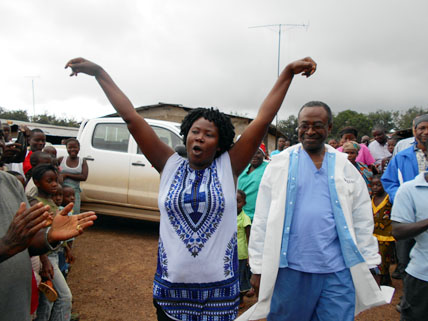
305 66
82 65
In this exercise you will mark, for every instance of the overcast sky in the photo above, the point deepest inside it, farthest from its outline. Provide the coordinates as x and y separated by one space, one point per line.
371 54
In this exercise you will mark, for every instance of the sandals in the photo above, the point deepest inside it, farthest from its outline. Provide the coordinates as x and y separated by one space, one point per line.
48 290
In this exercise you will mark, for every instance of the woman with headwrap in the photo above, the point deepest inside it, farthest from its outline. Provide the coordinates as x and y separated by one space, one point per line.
351 148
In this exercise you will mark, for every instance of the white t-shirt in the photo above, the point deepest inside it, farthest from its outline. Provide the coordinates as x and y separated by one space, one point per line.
379 151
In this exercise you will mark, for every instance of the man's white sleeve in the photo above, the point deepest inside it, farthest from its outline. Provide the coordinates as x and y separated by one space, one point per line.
258 228
362 215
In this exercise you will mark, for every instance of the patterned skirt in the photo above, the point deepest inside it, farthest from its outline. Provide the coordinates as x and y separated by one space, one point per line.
217 301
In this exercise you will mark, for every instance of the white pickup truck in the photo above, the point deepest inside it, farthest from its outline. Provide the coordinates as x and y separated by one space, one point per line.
121 181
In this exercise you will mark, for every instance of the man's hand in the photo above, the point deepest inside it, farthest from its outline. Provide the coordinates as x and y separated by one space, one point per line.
65 227
82 65
305 66
25 130
255 282
10 152
25 224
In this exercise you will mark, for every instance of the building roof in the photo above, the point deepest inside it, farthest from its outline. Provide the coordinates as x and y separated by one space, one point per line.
49 130
272 128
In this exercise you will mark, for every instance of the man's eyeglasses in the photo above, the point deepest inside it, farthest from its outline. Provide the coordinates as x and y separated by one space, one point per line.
316 127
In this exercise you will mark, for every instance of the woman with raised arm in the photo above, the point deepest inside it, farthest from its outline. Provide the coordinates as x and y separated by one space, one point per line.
197 270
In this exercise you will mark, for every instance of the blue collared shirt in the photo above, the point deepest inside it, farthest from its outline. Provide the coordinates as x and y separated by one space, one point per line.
313 245
349 250
411 206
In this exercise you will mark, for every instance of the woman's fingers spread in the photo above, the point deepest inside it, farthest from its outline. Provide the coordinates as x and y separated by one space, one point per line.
86 222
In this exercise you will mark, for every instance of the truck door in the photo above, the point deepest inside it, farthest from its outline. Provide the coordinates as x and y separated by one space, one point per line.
143 178
108 158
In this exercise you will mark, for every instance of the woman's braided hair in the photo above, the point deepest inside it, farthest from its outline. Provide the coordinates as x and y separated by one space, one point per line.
226 131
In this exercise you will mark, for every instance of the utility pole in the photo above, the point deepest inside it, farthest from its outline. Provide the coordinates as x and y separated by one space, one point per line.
280 26
34 97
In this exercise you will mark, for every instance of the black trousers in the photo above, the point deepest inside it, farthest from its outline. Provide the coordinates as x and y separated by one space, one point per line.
414 304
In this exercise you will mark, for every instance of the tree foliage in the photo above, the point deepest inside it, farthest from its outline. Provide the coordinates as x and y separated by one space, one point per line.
390 120
406 118
14 114
44 118
53 120
289 128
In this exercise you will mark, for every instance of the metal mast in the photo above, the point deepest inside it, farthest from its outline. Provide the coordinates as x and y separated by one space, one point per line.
34 97
280 25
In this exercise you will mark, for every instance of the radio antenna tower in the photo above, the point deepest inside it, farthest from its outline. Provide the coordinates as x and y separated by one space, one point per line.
34 97
280 26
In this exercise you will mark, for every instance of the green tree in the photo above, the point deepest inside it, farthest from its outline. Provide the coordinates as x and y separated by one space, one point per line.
405 119
19 114
385 118
53 120
350 118
289 128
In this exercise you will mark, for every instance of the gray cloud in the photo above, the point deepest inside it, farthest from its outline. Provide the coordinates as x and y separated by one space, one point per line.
371 54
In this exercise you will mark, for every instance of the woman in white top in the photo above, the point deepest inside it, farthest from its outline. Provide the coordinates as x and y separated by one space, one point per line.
196 277
74 170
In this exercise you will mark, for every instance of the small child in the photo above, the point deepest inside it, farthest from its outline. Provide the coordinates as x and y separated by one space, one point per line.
333 143
36 158
66 257
382 230
45 177
244 226
68 196
58 197
52 151
391 142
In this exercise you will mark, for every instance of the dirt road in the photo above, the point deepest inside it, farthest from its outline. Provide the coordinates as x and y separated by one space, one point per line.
112 277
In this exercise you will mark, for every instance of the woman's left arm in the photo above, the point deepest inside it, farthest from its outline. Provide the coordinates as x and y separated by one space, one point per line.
79 177
246 146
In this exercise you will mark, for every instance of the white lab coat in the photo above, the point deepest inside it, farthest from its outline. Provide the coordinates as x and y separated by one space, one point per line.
266 232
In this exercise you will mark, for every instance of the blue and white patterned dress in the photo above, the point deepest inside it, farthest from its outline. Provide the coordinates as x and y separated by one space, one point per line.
197 271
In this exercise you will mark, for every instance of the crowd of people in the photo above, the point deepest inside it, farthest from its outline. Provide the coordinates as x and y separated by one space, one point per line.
385 163
39 219
316 228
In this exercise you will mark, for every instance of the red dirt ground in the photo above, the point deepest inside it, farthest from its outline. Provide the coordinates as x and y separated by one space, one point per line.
111 279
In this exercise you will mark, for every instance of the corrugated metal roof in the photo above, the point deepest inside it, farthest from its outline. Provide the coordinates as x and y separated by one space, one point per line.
51 130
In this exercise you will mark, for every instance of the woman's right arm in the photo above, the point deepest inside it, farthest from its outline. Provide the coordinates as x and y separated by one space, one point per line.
156 151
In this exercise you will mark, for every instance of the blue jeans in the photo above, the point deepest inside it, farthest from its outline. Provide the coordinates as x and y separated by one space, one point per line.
312 297
60 310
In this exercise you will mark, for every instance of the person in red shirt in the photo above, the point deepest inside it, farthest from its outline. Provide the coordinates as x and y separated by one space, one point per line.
37 142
